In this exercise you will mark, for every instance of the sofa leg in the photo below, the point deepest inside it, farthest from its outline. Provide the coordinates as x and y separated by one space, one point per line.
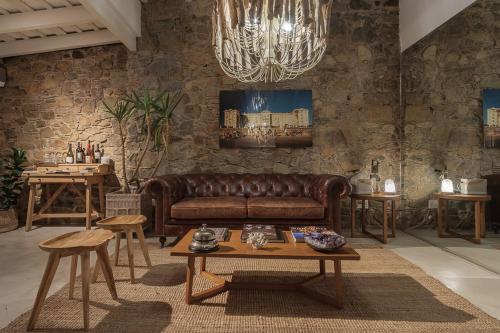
163 239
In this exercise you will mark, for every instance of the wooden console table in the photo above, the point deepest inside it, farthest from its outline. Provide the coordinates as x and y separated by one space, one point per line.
380 197
67 177
479 218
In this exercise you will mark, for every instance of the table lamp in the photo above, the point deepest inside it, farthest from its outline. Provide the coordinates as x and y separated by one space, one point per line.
447 186
390 186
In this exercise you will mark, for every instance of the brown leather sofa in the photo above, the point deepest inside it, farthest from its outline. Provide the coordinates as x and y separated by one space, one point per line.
235 199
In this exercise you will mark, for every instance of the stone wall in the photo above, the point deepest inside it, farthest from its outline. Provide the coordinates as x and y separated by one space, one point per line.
444 75
55 98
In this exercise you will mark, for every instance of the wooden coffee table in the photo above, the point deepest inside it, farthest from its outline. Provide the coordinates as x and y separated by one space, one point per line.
234 248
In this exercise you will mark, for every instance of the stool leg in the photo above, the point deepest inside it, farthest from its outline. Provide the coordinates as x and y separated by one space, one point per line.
96 270
118 237
88 206
102 253
48 276
144 247
130 251
72 275
85 256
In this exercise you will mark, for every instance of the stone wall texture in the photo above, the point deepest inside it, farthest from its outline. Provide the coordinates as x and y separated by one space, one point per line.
55 98
444 75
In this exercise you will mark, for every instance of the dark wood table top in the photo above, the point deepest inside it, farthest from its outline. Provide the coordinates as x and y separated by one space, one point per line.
376 196
234 248
463 197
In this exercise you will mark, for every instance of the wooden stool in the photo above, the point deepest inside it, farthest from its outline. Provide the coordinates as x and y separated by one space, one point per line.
127 224
74 244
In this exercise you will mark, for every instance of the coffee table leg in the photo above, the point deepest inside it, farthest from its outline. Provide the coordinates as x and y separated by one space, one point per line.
189 280
338 284
203 264
322 267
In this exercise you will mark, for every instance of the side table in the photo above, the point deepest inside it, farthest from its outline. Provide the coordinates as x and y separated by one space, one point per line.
384 199
479 218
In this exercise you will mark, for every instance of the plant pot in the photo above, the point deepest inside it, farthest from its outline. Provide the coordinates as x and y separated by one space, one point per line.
119 203
8 220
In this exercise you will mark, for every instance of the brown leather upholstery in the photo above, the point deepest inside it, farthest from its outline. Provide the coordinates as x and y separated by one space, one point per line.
326 190
210 208
284 207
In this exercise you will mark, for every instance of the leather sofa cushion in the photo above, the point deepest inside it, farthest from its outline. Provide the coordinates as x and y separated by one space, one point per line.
210 208
284 207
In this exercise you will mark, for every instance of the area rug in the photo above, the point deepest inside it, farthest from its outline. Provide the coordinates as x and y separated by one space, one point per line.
383 293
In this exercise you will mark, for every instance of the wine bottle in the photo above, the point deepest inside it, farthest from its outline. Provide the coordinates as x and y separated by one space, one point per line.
92 154
97 155
88 157
80 158
69 155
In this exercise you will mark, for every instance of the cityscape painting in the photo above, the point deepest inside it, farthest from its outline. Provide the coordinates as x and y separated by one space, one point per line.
266 118
491 118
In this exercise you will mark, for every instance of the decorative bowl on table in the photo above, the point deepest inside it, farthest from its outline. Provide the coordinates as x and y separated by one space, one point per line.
324 241
257 239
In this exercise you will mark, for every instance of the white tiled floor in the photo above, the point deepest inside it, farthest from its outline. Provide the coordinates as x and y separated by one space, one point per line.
486 254
22 264
475 283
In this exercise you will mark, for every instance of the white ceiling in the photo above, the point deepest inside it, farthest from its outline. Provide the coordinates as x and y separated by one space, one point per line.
36 26
418 18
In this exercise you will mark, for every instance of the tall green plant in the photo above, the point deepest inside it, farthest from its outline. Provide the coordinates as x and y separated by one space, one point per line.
163 112
121 112
11 183
146 105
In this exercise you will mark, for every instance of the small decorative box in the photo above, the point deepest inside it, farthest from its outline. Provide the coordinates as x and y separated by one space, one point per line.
473 186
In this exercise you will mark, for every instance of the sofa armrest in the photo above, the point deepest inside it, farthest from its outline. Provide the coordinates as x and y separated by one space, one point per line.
166 190
328 187
329 190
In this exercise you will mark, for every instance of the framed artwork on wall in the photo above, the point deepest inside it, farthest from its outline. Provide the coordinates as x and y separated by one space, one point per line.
265 118
491 118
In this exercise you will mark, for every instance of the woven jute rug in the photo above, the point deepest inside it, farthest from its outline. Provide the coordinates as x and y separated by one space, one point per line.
383 293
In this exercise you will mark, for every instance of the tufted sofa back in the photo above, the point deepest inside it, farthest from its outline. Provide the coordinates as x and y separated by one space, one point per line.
248 185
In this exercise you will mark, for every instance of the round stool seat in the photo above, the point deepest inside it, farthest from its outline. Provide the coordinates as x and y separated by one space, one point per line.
122 221
88 239
127 224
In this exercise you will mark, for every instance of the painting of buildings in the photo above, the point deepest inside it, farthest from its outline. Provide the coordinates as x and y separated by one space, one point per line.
277 118
491 118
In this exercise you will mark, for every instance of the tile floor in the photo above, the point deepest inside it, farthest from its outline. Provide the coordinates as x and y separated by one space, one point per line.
22 265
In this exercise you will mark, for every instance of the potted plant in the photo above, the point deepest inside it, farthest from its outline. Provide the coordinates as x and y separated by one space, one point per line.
11 185
155 113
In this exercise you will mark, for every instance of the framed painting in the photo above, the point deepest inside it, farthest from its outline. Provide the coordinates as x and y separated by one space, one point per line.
265 118
491 118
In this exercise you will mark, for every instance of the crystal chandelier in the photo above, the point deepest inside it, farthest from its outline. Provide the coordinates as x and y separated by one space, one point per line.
269 40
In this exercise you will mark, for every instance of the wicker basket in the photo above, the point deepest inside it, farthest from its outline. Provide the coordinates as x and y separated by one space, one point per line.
8 220
119 203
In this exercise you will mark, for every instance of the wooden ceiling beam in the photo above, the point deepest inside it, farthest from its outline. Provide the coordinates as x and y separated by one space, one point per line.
121 18
56 43
44 19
